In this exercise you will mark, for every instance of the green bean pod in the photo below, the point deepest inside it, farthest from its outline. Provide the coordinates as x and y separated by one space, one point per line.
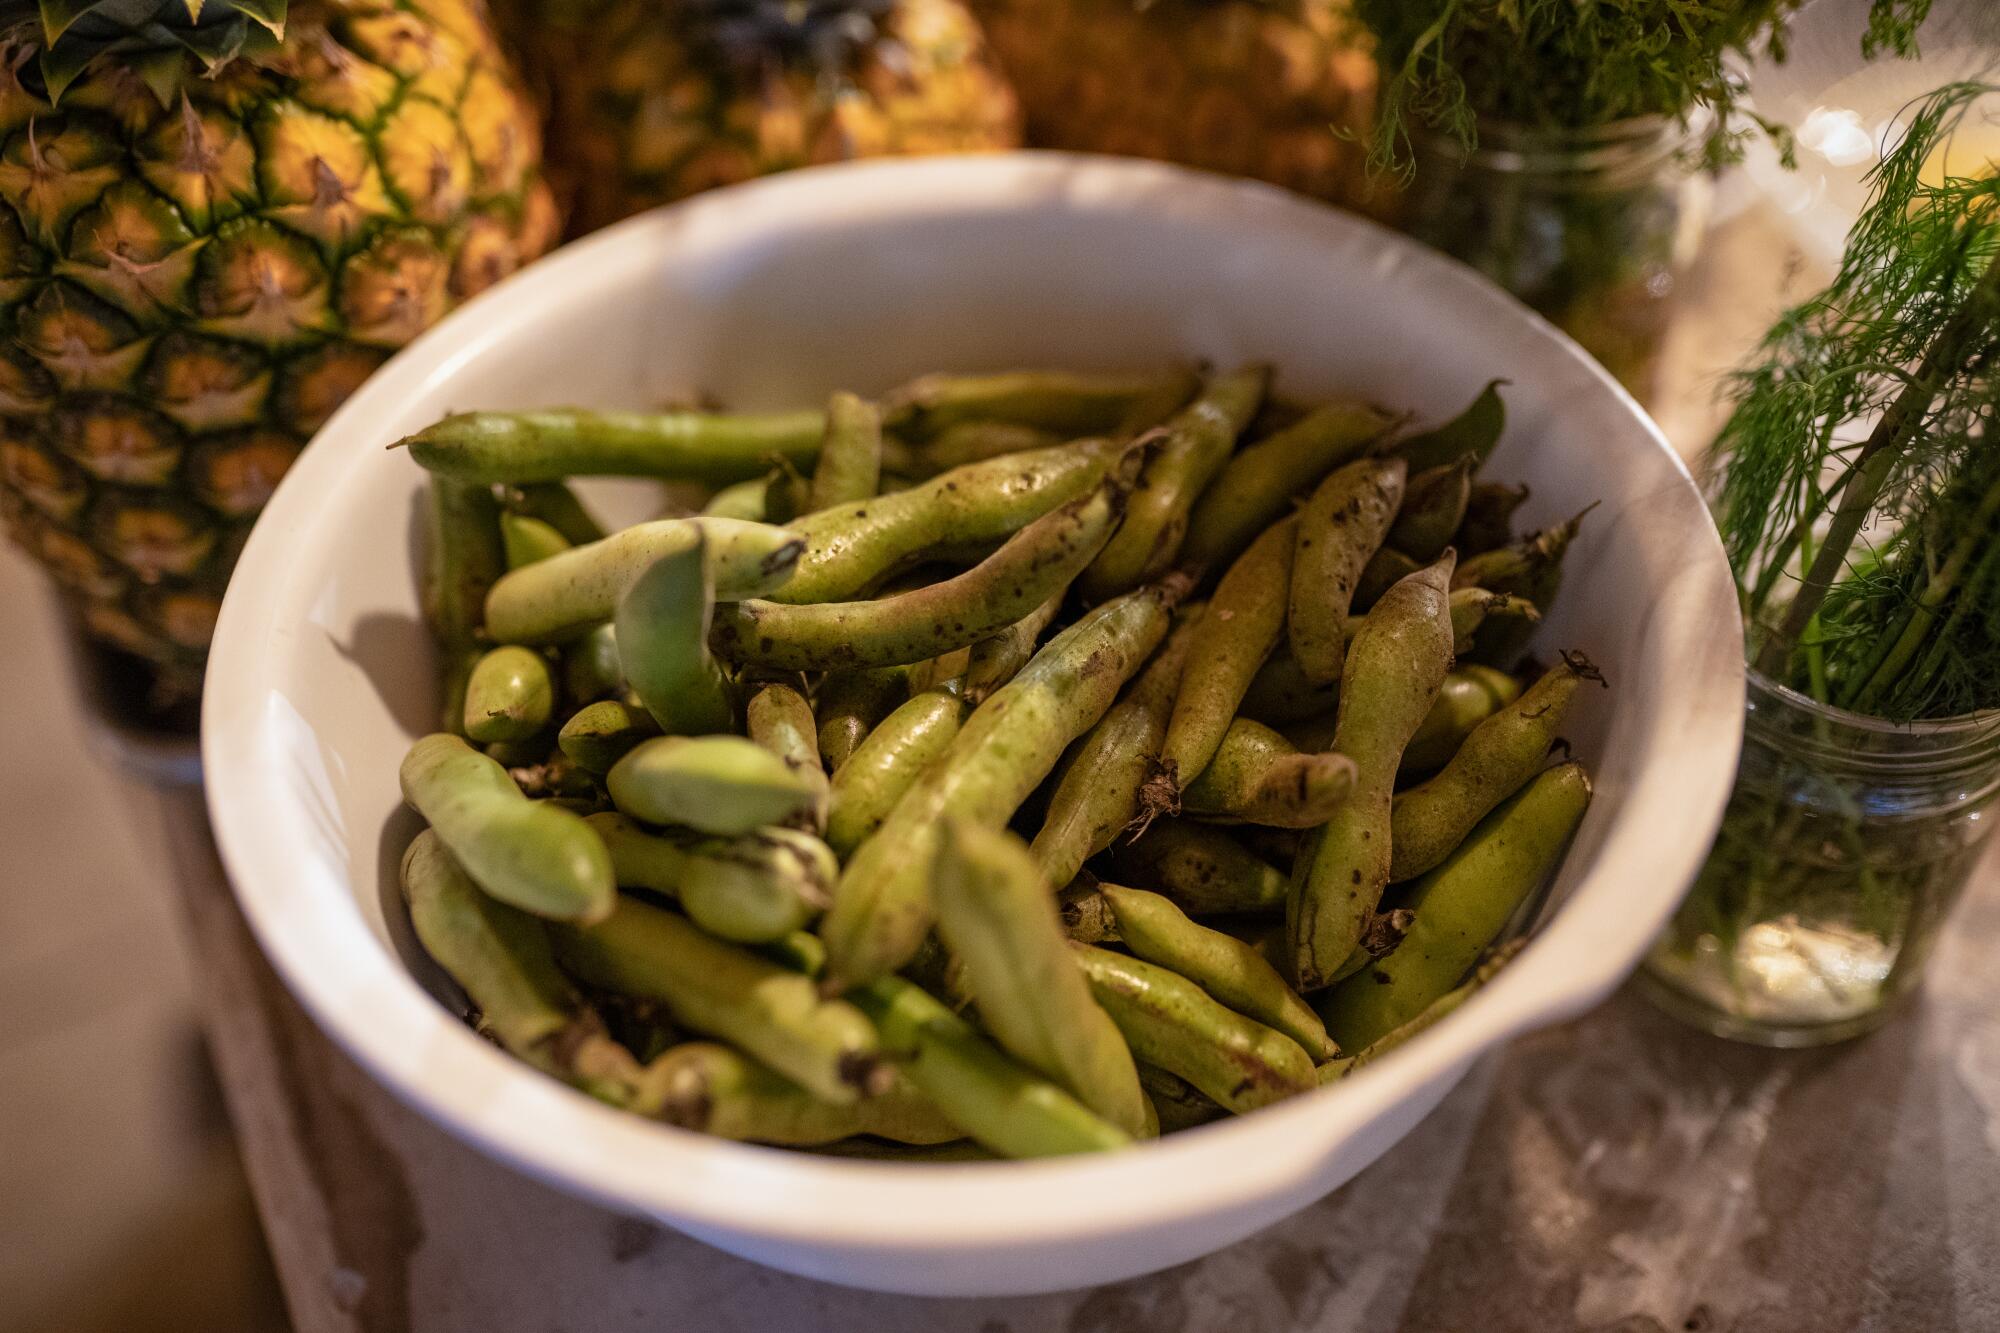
1461 906
750 889
725 785
1257 777
1203 870
1280 694
851 548
742 500
554 503
527 539
1086 916
886 764
1034 565
779 718
1384 570
1530 569
1396 667
997 658
1473 607
995 1099
1171 1022
787 494
1469 696
540 858
851 704
1179 1103
553 600
850 458
598 735
770 1011
999 920
1065 403
550 445
1489 517
591 669
464 559
1098 794
1433 508
1431 1014
882 906
1234 636
662 631
500 957
972 442
509 696
708 1088
1235 973
1339 531
1192 449
1502 755
1259 484
1476 432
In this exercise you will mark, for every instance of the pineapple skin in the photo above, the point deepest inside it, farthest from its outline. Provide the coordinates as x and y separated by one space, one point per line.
638 117
1282 92
190 290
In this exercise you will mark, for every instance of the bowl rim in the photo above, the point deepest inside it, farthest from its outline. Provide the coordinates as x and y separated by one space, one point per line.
360 994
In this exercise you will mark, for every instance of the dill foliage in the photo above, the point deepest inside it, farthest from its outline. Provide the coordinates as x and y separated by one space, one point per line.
1574 64
1857 480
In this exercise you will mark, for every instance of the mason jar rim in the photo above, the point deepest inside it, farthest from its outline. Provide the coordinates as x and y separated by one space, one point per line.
1634 144
1961 749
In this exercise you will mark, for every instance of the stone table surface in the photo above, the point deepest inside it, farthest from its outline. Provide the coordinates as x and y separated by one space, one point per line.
1616 1173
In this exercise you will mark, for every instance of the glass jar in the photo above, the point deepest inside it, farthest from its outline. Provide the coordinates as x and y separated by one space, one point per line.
1590 227
1844 845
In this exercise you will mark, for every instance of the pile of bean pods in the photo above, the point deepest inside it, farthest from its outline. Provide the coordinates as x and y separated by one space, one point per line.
925 795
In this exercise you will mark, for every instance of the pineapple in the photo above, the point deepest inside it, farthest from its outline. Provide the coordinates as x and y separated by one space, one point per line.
1276 89
653 100
216 221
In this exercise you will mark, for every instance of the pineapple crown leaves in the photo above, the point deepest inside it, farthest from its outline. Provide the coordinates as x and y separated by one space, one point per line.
155 38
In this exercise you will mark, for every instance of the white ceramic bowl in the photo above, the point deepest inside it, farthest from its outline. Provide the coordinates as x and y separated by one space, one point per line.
772 294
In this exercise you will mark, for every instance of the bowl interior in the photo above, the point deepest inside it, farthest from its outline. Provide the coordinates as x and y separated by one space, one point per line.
773 294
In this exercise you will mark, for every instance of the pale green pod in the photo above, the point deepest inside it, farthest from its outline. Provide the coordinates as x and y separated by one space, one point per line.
501 958
1234 636
995 1099
849 467
1340 529
1259 485
1395 668
754 888
1098 793
1461 907
553 600
779 718
464 558
717 784
711 1089
598 735
882 906
996 914
1500 756
557 443
536 856
662 633
1204 870
769 1011
1190 450
1035 564
591 670
1234 972
1469 696
1257 777
1171 1022
893 757
1065 403
509 696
